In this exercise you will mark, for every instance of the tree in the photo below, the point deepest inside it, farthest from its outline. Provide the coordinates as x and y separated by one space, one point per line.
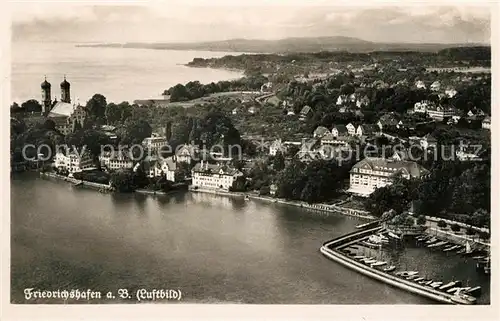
278 162
455 227
113 113
97 107
135 131
31 105
421 220
123 181
442 224
239 185
265 190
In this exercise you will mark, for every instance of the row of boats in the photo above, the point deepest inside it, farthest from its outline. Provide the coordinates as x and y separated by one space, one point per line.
463 295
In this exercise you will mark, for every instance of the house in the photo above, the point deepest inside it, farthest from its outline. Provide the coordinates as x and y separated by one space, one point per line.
421 107
155 142
339 130
420 84
374 172
73 161
253 110
273 189
266 87
341 100
305 112
351 129
290 112
186 153
400 155
336 141
388 120
149 167
210 176
361 102
428 141
450 92
320 131
343 109
435 86
486 124
282 147
113 161
168 167
367 130
235 111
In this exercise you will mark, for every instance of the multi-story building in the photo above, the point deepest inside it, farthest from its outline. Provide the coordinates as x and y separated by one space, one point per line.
339 130
372 173
73 162
116 160
440 113
205 175
282 147
167 167
351 129
155 142
186 153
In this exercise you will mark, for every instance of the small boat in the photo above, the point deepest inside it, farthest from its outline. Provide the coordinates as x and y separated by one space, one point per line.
379 263
463 298
358 257
436 284
475 291
432 240
247 198
451 248
429 282
394 236
366 225
366 259
389 268
418 279
448 285
437 244
406 273
353 247
370 261
371 245
453 289
411 277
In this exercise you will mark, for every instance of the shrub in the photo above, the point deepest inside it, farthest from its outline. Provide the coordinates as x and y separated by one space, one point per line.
442 224
264 190
484 235
455 227
421 220
470 231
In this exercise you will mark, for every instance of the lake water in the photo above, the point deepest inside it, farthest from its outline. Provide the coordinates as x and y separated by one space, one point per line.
212 248
118 74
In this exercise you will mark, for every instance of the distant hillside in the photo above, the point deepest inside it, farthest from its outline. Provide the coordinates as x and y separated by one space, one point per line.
287 45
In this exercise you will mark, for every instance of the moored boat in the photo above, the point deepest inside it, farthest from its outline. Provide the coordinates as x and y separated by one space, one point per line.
463 299
389 268
448 285
451 248
475 291
436 284
379 263
394 236
437 244
371 245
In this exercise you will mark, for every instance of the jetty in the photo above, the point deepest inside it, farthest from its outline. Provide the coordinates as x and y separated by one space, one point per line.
430 289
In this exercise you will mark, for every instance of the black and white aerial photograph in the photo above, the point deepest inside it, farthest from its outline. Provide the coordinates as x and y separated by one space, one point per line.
252 153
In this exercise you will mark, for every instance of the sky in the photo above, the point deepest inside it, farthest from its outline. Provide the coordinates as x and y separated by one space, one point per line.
195 22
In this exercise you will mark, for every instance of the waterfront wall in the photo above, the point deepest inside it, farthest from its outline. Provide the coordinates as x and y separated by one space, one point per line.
319 207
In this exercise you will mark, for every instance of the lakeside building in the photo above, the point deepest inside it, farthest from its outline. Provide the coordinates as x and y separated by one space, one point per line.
205 175
373 172
186 153
486 124
167 167
73 162
155 142
113 161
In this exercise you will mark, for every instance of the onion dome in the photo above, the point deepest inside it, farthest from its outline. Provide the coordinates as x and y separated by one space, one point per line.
45 84
65 83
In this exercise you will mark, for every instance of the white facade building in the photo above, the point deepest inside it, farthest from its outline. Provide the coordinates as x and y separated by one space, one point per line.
372 173
155 142
73 162
211 176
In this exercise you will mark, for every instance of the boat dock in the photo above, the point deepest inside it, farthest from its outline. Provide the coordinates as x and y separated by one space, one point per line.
339 250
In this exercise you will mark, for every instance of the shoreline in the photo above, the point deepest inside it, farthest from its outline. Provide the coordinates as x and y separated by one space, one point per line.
319 207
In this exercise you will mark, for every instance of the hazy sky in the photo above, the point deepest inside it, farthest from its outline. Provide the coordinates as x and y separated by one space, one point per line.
181 23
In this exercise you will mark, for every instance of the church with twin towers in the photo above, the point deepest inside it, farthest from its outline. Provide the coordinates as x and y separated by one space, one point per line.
64 114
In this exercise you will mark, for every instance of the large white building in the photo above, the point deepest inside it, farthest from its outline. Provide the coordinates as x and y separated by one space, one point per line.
115 160
372 173
72 162
155 142
212 176
486 124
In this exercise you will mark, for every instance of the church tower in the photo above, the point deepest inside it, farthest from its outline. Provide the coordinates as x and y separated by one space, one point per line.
46 97
65 96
